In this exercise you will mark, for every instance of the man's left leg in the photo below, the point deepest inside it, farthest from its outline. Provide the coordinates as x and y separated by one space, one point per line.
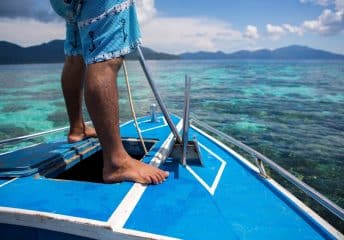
72 80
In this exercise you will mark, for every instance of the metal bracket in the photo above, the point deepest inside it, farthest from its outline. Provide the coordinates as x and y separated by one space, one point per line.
193 155
186 120
261 167
188 152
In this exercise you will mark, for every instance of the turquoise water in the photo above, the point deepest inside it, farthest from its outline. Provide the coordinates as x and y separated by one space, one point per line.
291 111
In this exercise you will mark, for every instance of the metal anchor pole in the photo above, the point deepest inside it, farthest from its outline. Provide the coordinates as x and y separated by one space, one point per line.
186 121
157 95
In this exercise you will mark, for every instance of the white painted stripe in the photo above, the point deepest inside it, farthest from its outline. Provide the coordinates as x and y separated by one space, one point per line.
211 189
149 120
126 123
9 181
199 179
122 213
217 178
145 121
150 129
231 151
219 173
278 187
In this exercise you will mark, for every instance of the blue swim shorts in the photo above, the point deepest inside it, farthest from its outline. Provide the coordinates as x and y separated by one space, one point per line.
99 30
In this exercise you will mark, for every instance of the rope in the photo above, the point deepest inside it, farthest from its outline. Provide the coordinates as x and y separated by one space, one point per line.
132 107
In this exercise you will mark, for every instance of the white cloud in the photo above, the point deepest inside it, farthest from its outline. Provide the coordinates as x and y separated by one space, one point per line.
169 34
318 2
251 32
180 34
293 29
189 34
339 5
275 32
146 10
31 32
328 23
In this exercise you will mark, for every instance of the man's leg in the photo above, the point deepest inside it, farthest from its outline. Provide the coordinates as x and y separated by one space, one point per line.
102 103
72 86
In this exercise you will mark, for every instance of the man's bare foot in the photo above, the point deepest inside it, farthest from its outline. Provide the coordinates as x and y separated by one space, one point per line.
134 171
78 134
90 132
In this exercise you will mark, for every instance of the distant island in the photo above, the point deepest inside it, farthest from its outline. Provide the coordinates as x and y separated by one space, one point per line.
52 52
293 52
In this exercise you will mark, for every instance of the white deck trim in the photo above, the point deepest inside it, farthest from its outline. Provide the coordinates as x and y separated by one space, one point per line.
11 151
146 235
308 211
50 221
71 225
122 213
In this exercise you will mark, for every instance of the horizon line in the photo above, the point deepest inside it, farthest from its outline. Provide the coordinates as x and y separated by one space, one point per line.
197 51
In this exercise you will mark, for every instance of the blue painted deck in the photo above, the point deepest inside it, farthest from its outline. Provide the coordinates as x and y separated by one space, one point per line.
222 200
244 206
72 198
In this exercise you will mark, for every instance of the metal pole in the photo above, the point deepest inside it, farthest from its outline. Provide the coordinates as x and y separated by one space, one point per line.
186 122
157 95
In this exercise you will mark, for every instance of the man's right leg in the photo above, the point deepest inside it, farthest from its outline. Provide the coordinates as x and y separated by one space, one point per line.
102 103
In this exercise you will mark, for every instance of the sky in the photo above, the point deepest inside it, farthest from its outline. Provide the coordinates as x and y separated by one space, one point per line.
177 26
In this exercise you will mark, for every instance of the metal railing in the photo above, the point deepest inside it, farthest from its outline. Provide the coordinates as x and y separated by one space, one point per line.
34 135
260 159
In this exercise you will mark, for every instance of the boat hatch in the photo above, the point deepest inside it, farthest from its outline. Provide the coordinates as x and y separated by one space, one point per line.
48 159
90 168
30 160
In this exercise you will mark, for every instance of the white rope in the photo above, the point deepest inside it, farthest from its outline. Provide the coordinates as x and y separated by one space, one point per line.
132 107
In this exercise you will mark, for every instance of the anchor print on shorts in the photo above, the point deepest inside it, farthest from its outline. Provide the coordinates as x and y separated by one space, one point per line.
125 35
93 46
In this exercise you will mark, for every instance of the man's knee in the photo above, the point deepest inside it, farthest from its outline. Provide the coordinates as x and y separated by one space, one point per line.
111 65
115 63
74 61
